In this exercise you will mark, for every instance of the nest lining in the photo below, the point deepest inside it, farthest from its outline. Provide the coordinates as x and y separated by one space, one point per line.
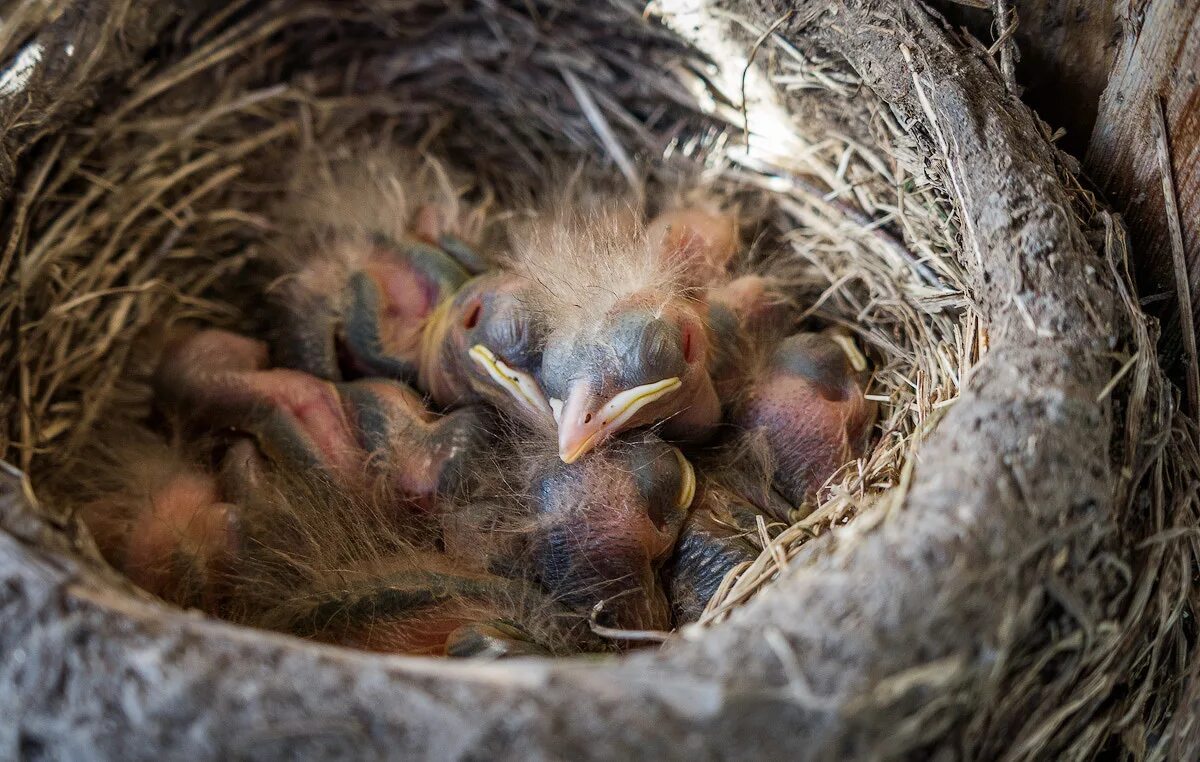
153 210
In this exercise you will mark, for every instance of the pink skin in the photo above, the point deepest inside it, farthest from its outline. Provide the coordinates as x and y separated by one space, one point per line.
812 411
173 541
431 222
363 307
697 243
425 633
756 300
216 378
407 301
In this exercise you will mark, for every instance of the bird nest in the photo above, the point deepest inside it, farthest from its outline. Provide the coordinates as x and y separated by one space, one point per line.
1006 571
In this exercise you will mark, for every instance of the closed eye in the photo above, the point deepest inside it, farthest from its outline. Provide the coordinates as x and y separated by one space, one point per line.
688 343
472 318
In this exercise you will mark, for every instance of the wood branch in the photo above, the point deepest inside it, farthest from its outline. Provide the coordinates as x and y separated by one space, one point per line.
1183 294
1160 57
1066 51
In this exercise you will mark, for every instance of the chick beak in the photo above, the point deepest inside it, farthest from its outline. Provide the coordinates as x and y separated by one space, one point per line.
521 386
584 422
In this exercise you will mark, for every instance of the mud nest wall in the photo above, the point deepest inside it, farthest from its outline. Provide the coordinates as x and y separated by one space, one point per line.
1007 571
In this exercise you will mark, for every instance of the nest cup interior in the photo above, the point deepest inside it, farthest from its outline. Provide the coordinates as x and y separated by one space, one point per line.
156 207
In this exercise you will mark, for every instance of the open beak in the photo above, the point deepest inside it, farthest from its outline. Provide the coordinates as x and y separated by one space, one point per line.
582 427
520 385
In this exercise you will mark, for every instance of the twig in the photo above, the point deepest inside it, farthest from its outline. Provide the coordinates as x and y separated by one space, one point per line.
596 118
750 62
1006 43
1182 287
1112 384
654 636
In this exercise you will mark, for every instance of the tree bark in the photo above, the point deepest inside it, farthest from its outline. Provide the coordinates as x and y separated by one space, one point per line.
1095 68
1158 59
1066 50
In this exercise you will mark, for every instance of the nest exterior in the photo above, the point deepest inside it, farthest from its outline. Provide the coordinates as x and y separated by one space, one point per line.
1006 573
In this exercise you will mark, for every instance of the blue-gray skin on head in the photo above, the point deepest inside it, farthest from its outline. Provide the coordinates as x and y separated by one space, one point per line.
633 348
500 317
487 345
640 366
604 525
819 360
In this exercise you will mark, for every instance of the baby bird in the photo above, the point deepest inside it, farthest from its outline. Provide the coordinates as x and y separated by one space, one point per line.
419 603
634 339
324 563
370 251
486 345
362 308
386 291
162 520
603 527
719 534
808 405
361 433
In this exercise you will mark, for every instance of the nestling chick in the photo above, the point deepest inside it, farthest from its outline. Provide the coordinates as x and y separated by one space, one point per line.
370 252
717 536
415 604
373 295
808 404
635 341
163 522
324 563
486 345
605 525
367 433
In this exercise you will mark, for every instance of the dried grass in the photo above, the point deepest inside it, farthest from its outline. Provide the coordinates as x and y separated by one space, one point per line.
862 223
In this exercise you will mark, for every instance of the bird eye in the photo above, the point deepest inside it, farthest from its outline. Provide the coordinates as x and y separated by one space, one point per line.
689 343
472 318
